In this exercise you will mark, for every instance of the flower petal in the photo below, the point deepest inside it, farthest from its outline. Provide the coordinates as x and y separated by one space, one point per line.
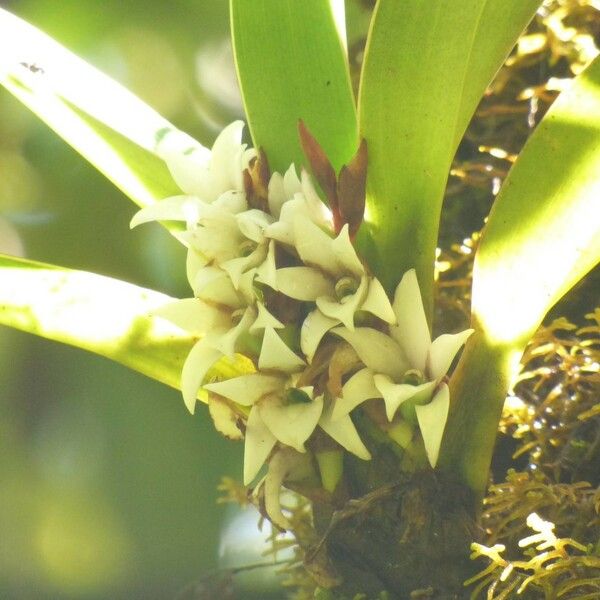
218 238
395 394
231 201
175 208
293 424
315 209
314 246
291 182
275 355
344 432
225 419
303 283
345 309
360 387
258 444
314 328
443 350
273 484
281 231
377 302
198 362
236 267
192 315
194 262
378 352
252 224
412 332
246 287
265 319
285 465
246 389
346 254
214 285
432 419
282 189
226 158
267 272
225 341
292 210
276 194
190 170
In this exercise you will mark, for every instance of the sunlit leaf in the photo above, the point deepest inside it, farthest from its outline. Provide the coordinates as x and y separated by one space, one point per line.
292 64
103 315
426 66
542 236
543 233
103 121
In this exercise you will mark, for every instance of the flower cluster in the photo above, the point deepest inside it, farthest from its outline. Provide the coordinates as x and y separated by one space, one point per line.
276 280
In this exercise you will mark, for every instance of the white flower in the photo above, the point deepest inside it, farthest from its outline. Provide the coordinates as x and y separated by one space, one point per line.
232 251
282 410
219 328
223 233
332 276
286 465
290 198
207 175
404 366
234 242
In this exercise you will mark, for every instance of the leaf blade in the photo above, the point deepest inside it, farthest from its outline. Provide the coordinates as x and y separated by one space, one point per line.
292 65
531 253
113 129
106 316
426 65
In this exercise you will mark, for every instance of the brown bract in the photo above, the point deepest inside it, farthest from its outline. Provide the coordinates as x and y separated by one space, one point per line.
256 182
345 192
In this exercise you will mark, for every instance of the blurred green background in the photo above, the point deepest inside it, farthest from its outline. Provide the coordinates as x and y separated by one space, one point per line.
107 484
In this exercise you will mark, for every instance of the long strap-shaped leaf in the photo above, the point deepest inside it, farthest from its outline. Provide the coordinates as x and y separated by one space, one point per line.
426 66
292 65
542 236
104 122
103 315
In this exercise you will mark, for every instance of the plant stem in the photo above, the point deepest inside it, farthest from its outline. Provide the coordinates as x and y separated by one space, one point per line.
478 389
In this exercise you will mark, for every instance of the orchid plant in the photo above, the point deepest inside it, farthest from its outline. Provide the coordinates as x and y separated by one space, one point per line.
310 260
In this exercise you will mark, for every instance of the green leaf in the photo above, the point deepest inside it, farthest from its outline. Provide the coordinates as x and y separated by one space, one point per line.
542 236
114 130
543 233
427 63
292 64
500 24
103 315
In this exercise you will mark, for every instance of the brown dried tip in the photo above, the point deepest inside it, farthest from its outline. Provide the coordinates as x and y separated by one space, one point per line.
320 165
256 182
352 185
345 193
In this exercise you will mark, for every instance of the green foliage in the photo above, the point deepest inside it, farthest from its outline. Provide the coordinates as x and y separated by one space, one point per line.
426 67
531 253
115 131
106 316
292 64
